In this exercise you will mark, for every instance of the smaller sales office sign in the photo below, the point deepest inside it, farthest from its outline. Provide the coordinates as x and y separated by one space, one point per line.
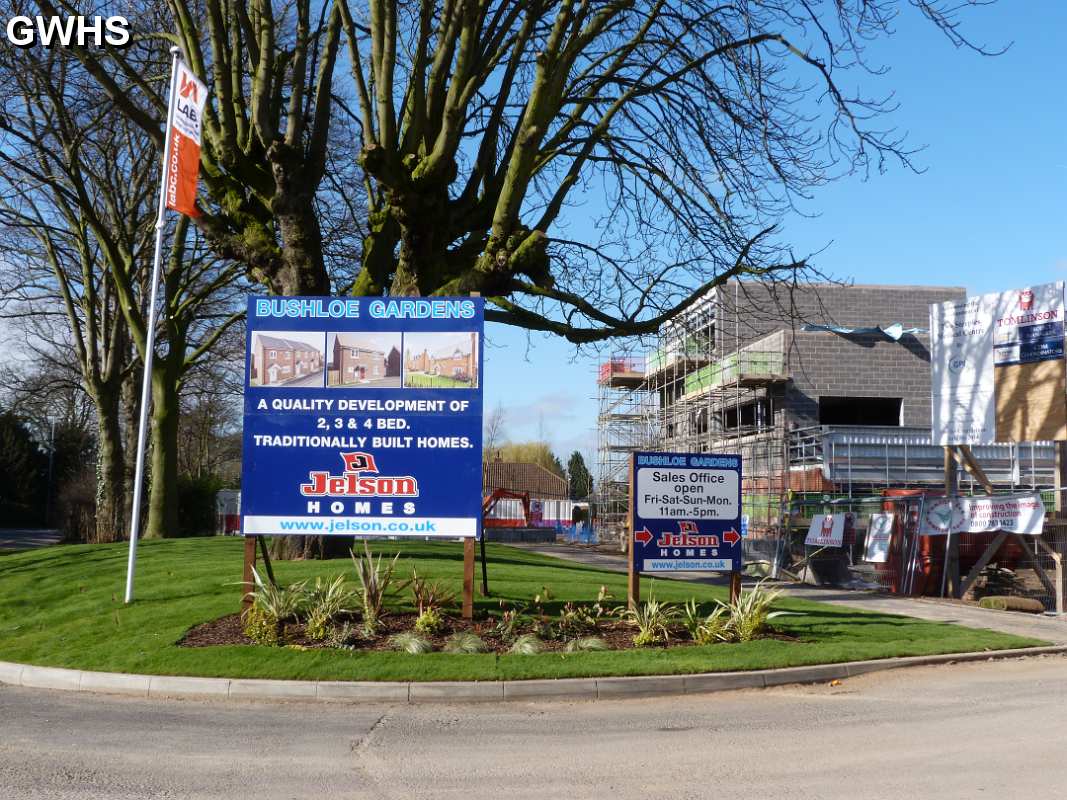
686 512
363 416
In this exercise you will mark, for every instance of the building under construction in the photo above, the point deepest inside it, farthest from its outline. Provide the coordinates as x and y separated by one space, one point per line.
824 391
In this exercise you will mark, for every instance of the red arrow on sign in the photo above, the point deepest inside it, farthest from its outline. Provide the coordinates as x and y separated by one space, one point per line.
644 536
731 536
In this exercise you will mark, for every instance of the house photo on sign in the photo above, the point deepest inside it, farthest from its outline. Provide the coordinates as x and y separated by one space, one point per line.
997 367
286 359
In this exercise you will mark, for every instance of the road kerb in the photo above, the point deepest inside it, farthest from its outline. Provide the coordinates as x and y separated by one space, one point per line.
172 686
68 680
115 683
178 686
640 685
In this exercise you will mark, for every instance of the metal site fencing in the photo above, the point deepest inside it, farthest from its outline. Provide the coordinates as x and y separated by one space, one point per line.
909 562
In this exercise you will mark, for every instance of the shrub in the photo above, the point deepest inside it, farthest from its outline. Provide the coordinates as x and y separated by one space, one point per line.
653 621
325 601
751 612
410 642
197 514
428 596
465 642
586 644
375 581
272 607
510 621
706 628
430 622
526 645
575 620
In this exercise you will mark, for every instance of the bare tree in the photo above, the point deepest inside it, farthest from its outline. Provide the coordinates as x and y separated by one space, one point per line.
79 185
494 430
592 167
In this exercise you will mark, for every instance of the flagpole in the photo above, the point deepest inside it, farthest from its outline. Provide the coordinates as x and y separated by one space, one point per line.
150 338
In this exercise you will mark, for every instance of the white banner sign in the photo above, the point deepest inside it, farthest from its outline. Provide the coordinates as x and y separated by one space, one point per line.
998 344
826 530
879 534
1020 513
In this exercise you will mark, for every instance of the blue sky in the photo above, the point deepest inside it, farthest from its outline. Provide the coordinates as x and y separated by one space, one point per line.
987 213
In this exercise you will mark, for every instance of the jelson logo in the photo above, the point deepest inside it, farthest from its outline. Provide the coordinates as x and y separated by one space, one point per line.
1026 299
189 89
355 481
688 536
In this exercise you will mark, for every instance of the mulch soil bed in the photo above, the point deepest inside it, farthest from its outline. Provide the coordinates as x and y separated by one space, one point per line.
617 634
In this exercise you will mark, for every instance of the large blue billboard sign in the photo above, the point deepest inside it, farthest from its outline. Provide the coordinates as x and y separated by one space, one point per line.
363 416
686 512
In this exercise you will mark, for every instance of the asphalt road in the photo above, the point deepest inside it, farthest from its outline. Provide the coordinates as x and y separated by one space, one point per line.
962 731
25 539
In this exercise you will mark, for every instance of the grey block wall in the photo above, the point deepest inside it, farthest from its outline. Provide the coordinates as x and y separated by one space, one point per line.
763 308
828 364
857 366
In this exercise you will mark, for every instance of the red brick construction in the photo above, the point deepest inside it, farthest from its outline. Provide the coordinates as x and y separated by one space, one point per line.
276 360
354 362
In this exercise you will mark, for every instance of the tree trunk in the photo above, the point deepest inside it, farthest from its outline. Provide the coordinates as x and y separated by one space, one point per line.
163 491
111 508
131 409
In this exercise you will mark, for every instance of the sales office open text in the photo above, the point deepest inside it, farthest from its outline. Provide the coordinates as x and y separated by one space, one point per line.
61 31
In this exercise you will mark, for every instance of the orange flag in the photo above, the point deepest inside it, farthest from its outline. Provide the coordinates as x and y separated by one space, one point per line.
183 159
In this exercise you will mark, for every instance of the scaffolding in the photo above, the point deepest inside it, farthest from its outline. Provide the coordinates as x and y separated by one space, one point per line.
708 391
622 428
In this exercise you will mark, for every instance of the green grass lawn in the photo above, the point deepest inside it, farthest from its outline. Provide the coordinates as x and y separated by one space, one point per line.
62 606
418 380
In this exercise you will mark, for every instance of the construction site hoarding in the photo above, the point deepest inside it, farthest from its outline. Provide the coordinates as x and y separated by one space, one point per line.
1020 513
997 367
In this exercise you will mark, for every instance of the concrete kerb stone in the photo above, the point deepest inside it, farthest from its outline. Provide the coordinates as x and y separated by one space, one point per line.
11 673
364 691
68 680
815 674
278 690
448 691
557 689
178 686
483 691
643 685
724 681
115 683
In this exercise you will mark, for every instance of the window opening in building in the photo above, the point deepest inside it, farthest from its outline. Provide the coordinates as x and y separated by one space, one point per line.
885 411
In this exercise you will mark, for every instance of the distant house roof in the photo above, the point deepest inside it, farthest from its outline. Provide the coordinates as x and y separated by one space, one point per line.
524 477
274 343
352 342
